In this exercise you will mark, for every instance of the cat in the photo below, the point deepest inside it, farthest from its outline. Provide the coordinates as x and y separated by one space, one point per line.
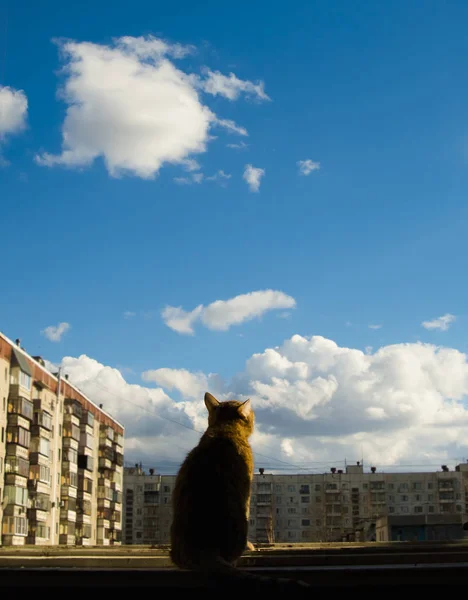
211 497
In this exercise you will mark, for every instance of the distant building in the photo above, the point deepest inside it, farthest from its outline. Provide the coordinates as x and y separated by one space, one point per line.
311 508
147 508
61 458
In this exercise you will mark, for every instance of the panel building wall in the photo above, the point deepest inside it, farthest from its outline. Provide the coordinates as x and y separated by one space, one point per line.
61 458
336 506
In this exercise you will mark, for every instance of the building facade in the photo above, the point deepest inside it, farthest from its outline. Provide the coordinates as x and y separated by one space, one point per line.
332 506
61 458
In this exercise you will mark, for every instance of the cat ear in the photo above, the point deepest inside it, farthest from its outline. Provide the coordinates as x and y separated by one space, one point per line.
210 402
245 408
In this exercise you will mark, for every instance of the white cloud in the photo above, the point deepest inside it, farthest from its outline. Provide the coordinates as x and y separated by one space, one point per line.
13 113
223 314
129 314
253 175
239 146
55 333
128 104
315 403
220 176
441 323
307 166
231 87
180 320
231 126
375 326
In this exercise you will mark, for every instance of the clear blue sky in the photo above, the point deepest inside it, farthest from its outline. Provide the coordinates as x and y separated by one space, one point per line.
375 92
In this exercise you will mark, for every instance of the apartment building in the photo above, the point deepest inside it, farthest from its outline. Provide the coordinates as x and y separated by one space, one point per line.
306 508
61 458
147 506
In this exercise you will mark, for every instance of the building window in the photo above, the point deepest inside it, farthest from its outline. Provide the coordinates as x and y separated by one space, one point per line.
278 488
167 489
4 404
3 434
318 522
418 509
291 511
318 498
305 510
138 535
304 489
431 509
459 508
404 509
417 485
317 487
25 380
391 509
305 522
364 486
429 486
305 499
418 497
404 498
390 486
291 488
430 497
278 499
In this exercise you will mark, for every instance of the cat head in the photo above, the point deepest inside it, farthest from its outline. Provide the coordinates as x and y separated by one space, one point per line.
232 411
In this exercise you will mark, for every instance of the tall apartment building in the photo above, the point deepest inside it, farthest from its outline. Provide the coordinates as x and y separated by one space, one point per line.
61 458
307 508
147 506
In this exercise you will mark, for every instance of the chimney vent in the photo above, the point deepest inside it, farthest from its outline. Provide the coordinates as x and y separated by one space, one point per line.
261 470
333 470
373 469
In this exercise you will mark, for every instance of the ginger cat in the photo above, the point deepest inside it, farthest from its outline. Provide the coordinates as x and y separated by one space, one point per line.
212 496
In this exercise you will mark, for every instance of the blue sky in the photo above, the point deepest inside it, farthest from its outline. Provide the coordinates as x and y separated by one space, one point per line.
373 92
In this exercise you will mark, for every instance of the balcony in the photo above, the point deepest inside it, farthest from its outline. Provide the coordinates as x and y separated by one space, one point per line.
85 484
106 431
42 419
71 430
86 462
87 419
104 463
86 439
18 435
21 406
17 466
73 407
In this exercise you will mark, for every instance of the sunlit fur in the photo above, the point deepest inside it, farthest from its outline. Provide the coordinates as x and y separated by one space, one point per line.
212 490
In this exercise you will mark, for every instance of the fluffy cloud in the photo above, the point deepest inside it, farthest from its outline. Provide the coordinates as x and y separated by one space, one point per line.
130 105
13 112
375 326
307 166
54 333
441 323
253 175
223 314
316 403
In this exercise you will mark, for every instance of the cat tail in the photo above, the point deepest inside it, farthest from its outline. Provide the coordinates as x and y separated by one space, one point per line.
220 572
